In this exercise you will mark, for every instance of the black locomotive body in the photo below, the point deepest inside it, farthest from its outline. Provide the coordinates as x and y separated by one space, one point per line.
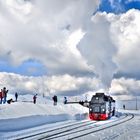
101 107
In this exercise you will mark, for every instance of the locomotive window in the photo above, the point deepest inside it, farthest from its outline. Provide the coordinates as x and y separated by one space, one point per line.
96 109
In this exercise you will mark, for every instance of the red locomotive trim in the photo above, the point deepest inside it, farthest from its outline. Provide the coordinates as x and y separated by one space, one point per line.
96 116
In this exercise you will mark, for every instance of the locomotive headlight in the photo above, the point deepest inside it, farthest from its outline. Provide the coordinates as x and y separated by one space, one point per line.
90 109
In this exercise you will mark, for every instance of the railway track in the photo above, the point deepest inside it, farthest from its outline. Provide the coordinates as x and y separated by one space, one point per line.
67 127
106 126
84 131
77 130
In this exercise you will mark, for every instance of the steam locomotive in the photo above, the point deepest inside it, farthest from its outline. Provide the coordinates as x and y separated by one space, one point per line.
101 106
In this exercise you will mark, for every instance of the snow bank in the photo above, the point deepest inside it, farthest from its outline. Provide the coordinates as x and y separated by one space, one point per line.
26 115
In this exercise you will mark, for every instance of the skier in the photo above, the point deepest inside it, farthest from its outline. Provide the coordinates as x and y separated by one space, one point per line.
16 96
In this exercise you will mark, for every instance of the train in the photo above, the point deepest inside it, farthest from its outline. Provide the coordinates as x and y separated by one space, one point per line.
101 106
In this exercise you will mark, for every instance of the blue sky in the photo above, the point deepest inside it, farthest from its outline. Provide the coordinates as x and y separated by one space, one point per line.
118 6
28 68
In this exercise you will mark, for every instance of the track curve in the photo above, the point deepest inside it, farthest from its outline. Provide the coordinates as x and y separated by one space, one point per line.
88 130
77 130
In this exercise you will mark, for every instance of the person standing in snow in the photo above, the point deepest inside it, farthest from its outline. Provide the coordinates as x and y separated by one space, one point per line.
16 96
4 91
113 111
54 100
65 100
124 107
1 96
34 99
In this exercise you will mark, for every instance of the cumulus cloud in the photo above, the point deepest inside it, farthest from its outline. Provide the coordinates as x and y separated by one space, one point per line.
111 45
125 35
70 42
40 30
48 85
124 88
67 85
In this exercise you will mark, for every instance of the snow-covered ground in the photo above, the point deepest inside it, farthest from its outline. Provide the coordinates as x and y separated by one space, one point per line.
24 117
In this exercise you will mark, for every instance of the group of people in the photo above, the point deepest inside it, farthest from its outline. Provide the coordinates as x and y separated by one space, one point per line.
11 100
55 100
3 96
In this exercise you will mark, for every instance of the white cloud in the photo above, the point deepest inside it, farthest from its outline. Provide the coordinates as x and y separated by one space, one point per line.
126 34
51 32
122 89
111 44
48 85
125 89
39 30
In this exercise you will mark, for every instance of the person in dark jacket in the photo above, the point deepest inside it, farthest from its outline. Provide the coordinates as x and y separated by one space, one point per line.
4 94
34 99
65 100
16 96
124 107
113 111
54 100
10 101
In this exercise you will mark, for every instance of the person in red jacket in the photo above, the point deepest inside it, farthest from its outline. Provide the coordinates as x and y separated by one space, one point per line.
1 96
